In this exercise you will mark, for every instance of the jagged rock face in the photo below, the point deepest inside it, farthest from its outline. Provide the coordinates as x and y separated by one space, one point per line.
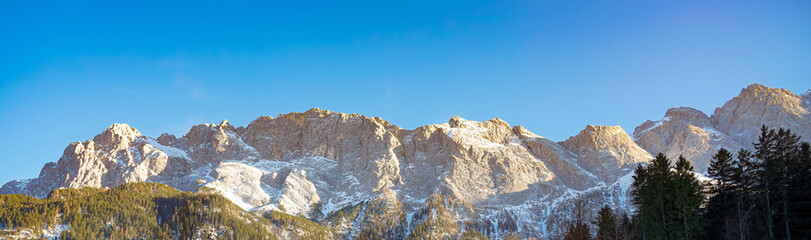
486 175
689 132
606 151
319 158
363 147
299 193
558 159
757 105
684 131
476 161
118 155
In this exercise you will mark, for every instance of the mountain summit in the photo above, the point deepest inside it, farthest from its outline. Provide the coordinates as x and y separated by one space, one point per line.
760 105
490 176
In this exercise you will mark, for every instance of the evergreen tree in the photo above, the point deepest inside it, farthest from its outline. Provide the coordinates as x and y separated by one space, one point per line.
606 224
742 179
625 227
687 199
764 173
774 176
719 208
639 196
801 196
650 192
785 162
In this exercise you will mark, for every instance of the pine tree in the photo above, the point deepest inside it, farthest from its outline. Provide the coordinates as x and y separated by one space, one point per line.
801 196
787 151
719 208
625 227
687 199
764 173
639 197
659 177
606 224
650 192
742 179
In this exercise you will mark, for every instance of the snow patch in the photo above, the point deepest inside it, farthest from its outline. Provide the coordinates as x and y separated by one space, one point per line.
169 151
655 125
53 232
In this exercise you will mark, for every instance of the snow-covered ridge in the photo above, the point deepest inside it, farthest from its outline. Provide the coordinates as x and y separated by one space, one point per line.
318 162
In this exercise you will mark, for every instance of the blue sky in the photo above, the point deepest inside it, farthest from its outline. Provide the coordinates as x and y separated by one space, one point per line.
68 70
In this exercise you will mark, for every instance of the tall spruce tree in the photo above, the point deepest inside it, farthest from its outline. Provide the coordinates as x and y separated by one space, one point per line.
606 224
742 180
801 196
760 195
625 227
668 200
786 150
719 212
640 196
686 190
650 192
764 174
775 177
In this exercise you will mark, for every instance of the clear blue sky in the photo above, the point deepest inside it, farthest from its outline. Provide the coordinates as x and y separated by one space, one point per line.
69 70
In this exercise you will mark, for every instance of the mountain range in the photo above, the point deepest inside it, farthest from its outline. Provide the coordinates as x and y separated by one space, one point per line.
438 179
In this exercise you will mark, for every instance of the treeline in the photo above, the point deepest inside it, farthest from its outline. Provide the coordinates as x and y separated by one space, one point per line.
131 211
764 194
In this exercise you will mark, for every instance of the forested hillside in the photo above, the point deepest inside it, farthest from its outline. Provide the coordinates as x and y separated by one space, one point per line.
140 211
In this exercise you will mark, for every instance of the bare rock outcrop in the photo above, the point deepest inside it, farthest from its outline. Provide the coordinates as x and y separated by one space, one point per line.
441 178
757 105
120 154
363 147
606 151
684 131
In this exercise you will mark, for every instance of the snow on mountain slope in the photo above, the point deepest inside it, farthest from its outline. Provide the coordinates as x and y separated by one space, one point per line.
756 105
606 151
487 175
684 131
118 155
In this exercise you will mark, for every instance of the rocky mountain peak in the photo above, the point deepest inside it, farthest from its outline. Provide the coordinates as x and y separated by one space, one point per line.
684 131
679 117
688 115
601 136
606 151
779 97
758 105
521 131
225 126
117 134
494 130
322 113
758 90
313 112
319 162
224 123
456 121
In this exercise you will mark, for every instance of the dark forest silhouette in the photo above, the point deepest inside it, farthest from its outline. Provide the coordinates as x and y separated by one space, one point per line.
765 194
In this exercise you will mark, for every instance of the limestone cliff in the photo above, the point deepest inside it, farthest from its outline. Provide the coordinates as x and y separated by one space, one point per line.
352 173
684 131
